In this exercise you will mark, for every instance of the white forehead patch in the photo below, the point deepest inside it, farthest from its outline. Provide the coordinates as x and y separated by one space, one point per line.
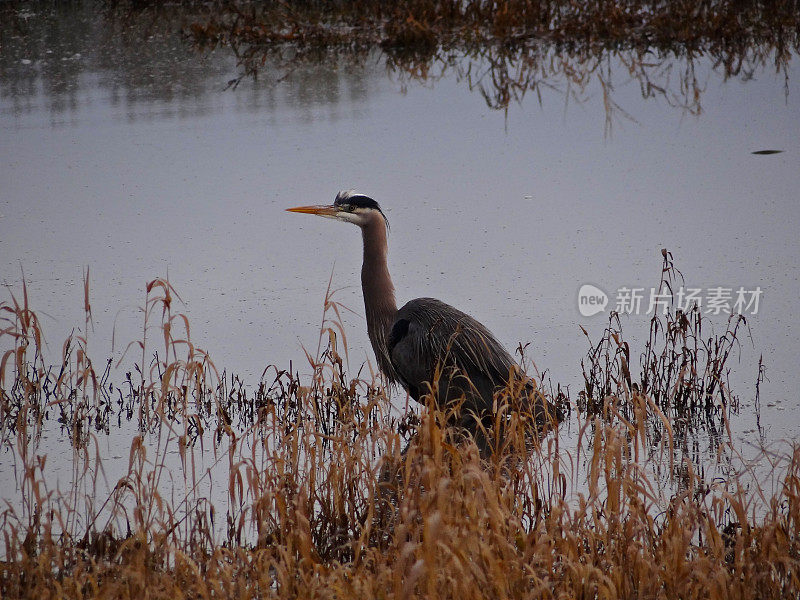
345 195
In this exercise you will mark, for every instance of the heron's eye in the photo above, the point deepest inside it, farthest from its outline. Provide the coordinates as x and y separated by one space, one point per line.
348 207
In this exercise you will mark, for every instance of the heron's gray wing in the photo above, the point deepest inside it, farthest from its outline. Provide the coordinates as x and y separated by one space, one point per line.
428 333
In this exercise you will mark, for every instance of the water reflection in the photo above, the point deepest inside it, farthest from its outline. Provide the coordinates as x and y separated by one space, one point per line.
507 50
148 57
49 51
54 57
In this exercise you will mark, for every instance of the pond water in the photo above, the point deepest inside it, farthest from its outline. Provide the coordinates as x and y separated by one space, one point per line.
130 157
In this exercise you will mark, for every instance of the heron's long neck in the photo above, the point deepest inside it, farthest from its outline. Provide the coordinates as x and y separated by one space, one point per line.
379 301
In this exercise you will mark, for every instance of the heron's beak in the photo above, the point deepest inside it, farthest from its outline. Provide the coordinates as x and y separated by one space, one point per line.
323 211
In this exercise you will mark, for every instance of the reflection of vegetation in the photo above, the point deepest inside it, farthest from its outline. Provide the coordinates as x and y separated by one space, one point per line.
504 50
508 48
51 53
50 48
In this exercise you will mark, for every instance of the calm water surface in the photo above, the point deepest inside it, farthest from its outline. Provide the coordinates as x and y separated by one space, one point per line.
132 159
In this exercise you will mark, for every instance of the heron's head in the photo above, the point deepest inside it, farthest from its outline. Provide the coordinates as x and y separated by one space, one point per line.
348 206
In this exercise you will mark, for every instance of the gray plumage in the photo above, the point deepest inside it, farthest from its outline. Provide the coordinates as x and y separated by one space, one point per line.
428 333
427 345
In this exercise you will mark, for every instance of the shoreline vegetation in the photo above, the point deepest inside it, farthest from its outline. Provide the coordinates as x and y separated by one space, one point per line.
728 30
330 491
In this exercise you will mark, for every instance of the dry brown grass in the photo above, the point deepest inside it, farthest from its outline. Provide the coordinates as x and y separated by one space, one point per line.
306 513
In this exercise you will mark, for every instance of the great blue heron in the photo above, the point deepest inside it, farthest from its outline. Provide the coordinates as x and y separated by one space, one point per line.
427 345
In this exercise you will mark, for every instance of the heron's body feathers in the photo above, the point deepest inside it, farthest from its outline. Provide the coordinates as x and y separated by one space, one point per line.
436 335
434 345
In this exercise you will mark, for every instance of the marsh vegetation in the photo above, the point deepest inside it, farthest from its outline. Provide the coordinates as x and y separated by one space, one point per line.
621 508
